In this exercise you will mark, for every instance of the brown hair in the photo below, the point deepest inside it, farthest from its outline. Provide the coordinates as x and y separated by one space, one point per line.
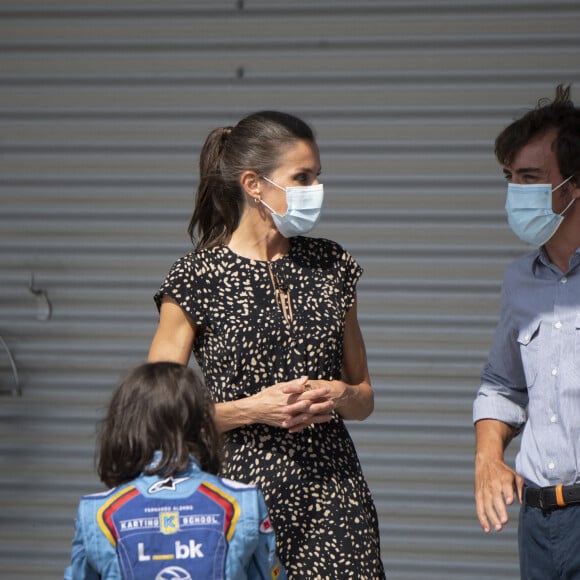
163 407
560 115
256 143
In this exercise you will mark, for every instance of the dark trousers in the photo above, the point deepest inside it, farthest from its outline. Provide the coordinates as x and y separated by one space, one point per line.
549 543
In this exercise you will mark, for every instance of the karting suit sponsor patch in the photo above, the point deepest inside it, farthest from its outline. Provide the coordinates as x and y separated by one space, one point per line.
157 537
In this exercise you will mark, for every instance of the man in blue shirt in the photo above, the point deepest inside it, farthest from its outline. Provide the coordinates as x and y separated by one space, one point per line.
531 381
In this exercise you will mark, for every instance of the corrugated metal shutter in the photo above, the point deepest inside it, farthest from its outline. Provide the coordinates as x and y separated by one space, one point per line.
103 108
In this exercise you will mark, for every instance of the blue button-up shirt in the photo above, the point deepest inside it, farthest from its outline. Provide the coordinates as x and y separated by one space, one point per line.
532 377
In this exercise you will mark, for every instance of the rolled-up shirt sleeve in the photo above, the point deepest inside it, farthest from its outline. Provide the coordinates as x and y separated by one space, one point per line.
503 394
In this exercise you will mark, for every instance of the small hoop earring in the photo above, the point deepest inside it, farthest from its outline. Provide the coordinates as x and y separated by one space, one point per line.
257 199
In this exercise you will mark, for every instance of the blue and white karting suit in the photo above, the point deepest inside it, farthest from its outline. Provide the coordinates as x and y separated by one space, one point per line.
187 527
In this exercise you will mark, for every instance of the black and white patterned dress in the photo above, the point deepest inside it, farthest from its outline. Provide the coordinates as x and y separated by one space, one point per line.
319 501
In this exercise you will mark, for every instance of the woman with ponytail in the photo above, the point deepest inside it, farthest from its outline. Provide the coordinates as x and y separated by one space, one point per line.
270 315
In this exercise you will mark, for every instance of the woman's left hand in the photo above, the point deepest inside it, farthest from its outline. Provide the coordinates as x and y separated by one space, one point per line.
313 404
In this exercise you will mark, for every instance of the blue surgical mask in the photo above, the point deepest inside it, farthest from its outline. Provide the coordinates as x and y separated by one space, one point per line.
530 214
304 207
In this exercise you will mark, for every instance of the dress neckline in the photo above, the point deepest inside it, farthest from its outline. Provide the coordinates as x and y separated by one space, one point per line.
243 258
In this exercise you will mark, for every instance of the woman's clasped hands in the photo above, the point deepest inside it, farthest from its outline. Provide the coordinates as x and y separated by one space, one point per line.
295 404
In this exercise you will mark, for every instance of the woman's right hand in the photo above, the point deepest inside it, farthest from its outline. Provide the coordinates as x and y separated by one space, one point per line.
290 405
294 405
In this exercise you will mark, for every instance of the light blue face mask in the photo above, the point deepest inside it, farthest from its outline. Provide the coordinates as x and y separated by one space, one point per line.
304 207
530 214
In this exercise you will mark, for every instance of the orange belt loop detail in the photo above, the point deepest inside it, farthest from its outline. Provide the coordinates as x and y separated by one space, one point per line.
560 496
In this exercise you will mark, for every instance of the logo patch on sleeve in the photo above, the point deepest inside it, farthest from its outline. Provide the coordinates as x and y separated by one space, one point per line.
266 526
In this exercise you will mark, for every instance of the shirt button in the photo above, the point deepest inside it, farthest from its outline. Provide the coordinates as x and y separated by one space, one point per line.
554 372
551 465
553 419
558 325
563 280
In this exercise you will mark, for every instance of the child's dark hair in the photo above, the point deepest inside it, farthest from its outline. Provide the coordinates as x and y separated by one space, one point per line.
163 407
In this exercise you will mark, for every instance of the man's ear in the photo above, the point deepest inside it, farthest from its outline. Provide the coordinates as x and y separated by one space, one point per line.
251 183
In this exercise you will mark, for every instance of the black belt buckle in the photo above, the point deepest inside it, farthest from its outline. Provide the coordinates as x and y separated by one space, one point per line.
541 498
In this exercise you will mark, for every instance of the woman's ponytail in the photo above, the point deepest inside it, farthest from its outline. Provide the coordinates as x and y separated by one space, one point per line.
212 217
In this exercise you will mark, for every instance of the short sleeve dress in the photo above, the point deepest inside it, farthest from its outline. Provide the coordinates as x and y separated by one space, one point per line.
319 502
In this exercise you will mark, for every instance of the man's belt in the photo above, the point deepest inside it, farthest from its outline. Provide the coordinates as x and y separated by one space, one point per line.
557 496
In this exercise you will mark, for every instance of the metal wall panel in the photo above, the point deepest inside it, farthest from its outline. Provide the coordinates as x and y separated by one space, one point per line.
103 108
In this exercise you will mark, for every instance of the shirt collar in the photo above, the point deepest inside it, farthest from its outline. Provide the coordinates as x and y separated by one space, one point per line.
542 259
157 458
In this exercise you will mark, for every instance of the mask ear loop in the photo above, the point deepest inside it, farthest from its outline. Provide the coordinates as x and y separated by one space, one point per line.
274 184
563 183
260 200
561 214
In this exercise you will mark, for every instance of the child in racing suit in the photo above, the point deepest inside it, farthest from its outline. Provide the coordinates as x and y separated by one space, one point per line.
167 515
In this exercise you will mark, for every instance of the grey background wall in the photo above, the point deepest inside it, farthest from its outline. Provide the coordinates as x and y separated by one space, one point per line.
103 108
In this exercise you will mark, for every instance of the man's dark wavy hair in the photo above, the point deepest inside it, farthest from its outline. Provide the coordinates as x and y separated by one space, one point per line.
164 407
559 115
